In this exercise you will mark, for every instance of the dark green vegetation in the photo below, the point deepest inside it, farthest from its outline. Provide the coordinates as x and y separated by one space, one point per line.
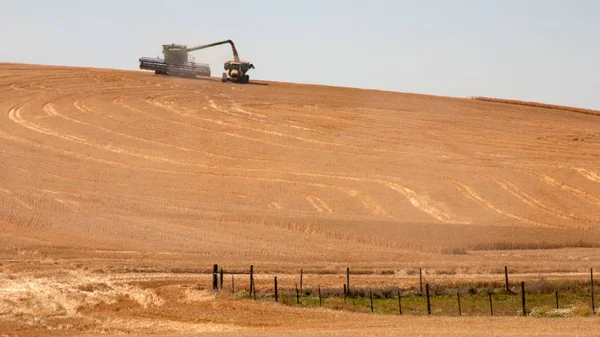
574 299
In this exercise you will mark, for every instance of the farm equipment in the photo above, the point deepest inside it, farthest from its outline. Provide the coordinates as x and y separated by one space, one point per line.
177 62
236 71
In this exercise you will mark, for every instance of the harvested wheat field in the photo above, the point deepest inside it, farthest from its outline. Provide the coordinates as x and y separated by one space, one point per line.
119 190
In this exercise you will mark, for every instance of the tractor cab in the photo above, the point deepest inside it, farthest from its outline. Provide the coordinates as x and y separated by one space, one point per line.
233 66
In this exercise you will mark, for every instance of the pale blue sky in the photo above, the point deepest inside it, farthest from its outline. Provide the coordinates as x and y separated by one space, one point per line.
546 51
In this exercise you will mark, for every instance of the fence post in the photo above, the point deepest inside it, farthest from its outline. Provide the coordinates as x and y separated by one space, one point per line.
592 284
276 295
297 295
232 284
556 293
428 302
506 279
420 282
345 293
399 303
523 298
459 308
251 280
254 293
301 274
215 272
320 298
348 280
491 307
371 297
221 278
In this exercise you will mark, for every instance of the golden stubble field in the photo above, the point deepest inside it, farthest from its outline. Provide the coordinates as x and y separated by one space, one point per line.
119 189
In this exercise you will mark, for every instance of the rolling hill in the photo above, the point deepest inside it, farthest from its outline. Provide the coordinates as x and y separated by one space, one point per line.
281 173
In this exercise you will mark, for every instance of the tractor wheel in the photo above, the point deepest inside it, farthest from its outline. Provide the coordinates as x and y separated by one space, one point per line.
224 77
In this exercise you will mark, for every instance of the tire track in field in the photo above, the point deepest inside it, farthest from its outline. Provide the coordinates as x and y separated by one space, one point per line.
73 205
275 204
218 122
71 153
186 114
119 101
314 204
420 202
94 181
415 196
416 200
386 140
323 204
20 220
79 106
237 107
264 119
83 157
56 150
380 118
575 191
370 205
588 174
215 107
302 139
236 126
471 194
15 115
531 201
11 196
472 137
318 204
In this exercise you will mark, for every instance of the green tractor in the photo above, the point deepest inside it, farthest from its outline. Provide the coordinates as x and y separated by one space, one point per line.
236 71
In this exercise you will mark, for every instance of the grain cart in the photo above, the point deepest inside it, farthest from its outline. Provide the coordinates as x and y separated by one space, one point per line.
236 71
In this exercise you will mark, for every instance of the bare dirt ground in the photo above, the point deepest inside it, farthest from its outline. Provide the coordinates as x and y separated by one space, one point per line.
118 189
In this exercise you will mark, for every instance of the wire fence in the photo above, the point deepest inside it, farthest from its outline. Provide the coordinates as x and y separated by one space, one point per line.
542 299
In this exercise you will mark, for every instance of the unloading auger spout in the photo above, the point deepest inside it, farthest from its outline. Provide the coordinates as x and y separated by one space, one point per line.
236 57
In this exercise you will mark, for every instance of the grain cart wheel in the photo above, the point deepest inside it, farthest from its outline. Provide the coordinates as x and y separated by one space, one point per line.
224 77
246 78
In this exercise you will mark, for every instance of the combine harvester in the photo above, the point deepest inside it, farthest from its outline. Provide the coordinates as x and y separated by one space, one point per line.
177 63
